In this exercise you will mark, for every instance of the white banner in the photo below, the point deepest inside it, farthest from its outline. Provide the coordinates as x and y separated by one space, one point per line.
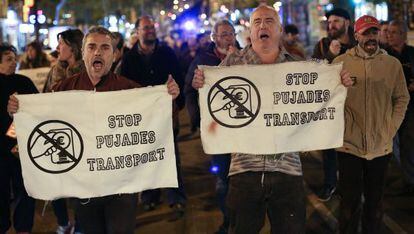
90 144
37 75
268 109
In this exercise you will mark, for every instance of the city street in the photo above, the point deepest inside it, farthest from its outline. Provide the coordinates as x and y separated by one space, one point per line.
202 215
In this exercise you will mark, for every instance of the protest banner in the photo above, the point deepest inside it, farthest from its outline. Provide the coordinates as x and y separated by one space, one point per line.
269 109
90 144
37 75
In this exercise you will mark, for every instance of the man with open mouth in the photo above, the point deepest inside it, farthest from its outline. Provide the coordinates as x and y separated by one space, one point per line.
374 109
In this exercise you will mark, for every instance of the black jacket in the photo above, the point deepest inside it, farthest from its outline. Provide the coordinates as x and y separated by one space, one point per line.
149 70
8 85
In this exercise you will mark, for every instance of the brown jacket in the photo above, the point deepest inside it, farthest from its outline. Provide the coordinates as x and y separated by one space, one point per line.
375 106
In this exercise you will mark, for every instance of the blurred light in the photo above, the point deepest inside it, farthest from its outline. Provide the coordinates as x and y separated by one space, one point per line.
44 31
186 6
32 19
11 18
214 169
127 25
169 14
233 17
203 16
173 17
67 16
41 19
26 28
180 9
224 9
175 7
189 25
278 4
162 12
329 7
382 11
39 12
112 20
175 2
202 30
46 42
156 25
323 18
357 1
206 22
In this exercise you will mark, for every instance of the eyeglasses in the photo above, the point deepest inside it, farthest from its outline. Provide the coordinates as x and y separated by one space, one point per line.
226 34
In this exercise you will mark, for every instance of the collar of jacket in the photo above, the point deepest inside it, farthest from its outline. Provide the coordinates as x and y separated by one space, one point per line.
359 52
137 47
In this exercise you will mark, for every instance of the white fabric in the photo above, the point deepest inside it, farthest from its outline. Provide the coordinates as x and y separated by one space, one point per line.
145 158
263 135
37 75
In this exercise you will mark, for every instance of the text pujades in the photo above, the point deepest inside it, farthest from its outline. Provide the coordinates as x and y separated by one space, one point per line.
122 140
299 98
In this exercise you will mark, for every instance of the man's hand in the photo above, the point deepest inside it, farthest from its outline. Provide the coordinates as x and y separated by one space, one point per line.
335 47
198 79
346 78
172 87
12 105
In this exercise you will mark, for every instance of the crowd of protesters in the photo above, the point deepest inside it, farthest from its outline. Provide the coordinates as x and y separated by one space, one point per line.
358 168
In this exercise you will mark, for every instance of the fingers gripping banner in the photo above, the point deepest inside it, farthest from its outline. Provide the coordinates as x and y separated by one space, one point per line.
268 109
89 144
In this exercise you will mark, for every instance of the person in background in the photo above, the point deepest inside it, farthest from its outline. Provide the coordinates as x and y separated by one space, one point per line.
53 58
119 52
10 168
374 109
34 57
70 58
383 41
340 39
291 41
224 42
69 63
150 63
404 150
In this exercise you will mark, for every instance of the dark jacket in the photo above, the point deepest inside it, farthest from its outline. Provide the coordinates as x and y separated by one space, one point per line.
149 70
205 57
406 57
321 49
9 85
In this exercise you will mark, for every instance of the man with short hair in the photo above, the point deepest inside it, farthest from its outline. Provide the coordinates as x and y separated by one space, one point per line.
340 38
383 34
150 63
291 41
224 42
397 40
112 213
374 109
265 184
10 168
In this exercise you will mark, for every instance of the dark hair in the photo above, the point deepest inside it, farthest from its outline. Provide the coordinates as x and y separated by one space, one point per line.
383 22
36 46
291 28
100 30
120 39
339 12
54 54
140 18
73 37
6 48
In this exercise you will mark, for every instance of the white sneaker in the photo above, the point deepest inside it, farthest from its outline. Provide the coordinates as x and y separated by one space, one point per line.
68 229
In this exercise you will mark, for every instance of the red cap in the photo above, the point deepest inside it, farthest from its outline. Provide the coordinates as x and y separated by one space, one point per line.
365 22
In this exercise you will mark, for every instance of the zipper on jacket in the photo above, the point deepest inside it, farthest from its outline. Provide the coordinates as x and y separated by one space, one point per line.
364 135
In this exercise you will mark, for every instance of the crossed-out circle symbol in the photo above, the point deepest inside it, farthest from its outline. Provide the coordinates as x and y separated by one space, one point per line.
55 146
235 96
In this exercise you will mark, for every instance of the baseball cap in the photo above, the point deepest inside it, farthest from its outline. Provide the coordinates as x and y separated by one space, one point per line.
338 12
365 22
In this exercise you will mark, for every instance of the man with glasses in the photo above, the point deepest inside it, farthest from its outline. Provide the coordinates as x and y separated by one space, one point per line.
224 42
374 109
150 63
397 41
